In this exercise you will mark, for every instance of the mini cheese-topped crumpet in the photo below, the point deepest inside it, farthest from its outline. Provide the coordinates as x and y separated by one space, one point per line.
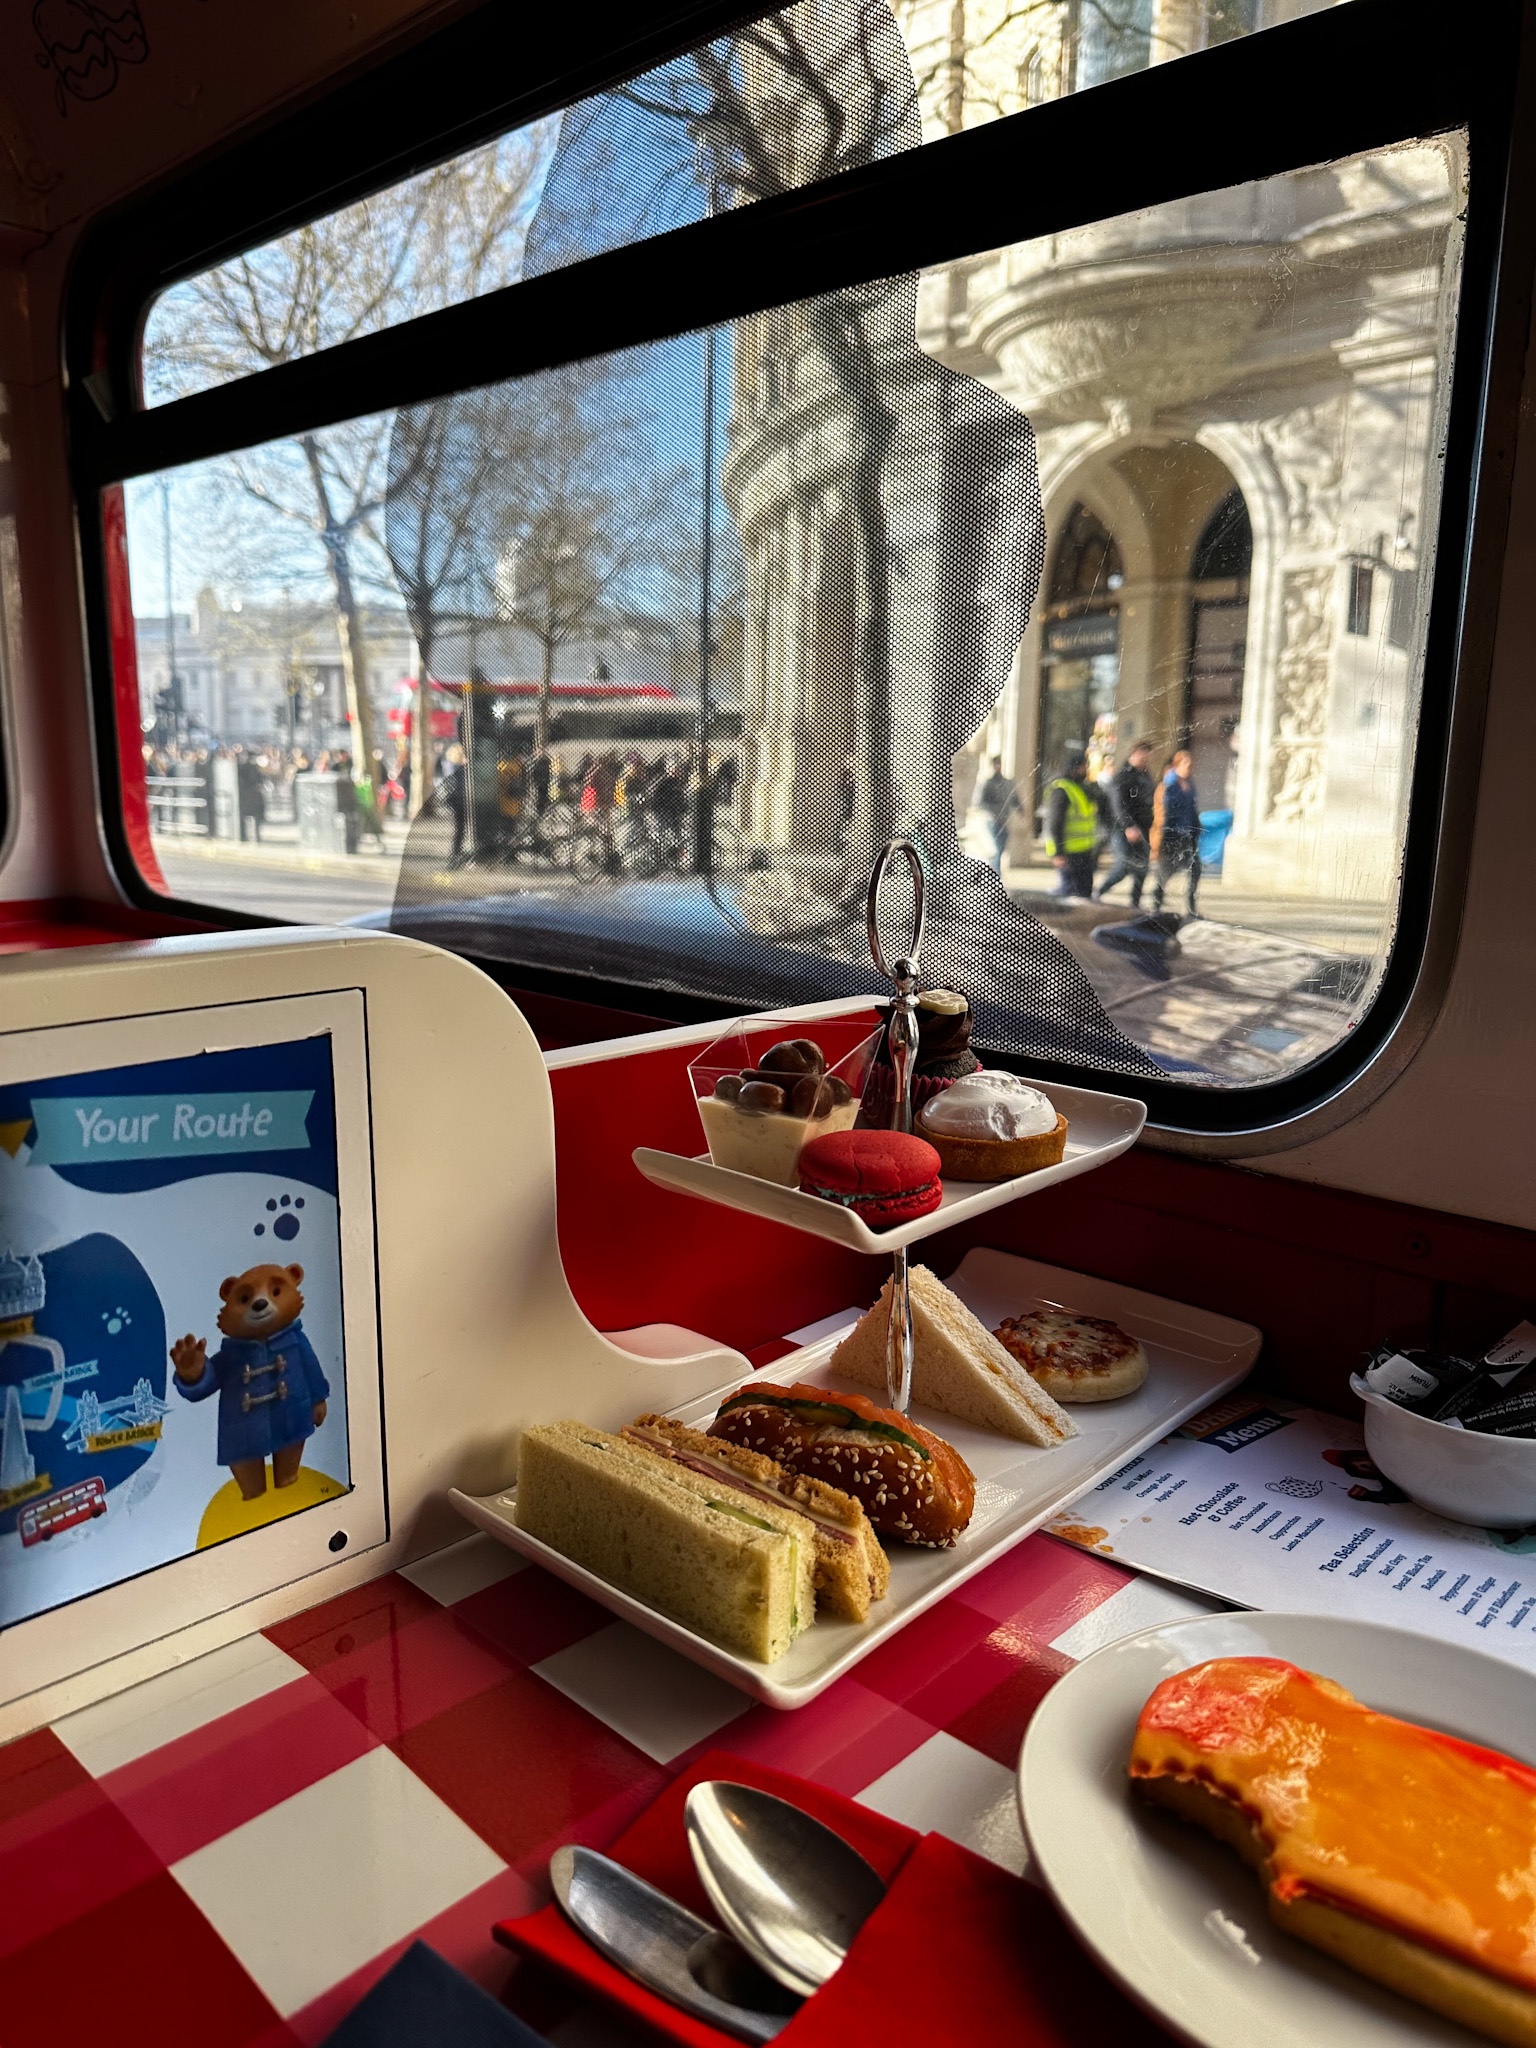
1075 1358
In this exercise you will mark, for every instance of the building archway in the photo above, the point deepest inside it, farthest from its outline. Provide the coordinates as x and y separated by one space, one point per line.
1167 643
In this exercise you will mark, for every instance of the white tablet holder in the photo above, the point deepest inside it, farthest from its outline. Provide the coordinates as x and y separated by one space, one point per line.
461 1326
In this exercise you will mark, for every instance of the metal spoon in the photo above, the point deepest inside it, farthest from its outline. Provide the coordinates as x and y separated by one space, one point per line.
666 1948
792 1892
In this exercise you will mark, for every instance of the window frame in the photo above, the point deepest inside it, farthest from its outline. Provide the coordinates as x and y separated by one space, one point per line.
1326 86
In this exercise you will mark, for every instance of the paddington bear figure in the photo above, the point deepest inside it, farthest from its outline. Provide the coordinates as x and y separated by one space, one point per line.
272 1393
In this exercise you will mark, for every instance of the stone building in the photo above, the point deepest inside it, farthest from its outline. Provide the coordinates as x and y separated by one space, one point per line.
1237 401
264 675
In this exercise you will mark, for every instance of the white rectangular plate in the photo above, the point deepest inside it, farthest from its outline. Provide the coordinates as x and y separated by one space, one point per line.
1099 1128
1195 1356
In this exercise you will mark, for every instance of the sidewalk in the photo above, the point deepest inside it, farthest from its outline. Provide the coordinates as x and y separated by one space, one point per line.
1320 923
279 851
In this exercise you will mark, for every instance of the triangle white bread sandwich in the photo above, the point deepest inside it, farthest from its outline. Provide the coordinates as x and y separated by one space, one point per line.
958 1366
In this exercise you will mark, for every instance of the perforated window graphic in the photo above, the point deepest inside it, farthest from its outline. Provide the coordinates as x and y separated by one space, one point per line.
967 537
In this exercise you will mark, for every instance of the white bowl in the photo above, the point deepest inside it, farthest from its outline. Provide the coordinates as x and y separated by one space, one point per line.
1489 1481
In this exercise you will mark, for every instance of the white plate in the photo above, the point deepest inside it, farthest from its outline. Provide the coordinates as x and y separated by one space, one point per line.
1195 1356
1174 1916
1099 1128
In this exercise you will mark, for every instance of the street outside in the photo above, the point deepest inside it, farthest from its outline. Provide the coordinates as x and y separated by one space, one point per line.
1250 990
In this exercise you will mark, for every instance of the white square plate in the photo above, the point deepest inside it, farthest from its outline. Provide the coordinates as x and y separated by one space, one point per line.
1099 1128
1195 1356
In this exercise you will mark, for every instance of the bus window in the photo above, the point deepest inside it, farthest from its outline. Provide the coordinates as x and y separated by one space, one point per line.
458 229
1229 432
1101 556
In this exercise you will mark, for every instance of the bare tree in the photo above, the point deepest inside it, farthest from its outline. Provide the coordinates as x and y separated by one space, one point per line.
787 101
442 462
539 504
585 514
449 234
898 449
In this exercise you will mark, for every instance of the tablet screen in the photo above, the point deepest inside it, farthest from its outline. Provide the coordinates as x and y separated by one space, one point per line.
172 1369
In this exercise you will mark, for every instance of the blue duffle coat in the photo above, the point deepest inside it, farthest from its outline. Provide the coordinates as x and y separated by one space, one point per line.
267 1389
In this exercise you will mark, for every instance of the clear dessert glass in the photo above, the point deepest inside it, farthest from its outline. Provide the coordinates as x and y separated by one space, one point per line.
787 1106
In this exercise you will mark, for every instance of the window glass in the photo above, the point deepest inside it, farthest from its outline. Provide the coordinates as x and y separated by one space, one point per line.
819 87
706 621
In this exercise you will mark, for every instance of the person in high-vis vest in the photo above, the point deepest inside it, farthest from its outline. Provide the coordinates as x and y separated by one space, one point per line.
1074 825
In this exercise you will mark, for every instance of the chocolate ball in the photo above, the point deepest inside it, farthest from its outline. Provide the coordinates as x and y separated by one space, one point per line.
803 1095
728 1087
836 1091
760 1098
793 1056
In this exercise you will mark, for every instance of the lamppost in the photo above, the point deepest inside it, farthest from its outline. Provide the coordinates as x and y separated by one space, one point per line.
173 681
704 798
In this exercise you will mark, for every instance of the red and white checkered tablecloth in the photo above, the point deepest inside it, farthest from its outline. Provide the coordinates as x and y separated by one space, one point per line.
229 1855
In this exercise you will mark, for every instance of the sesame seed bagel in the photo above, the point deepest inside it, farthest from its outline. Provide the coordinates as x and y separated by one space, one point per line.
911 1484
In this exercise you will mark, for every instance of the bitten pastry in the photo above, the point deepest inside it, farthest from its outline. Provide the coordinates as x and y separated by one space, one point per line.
851 1568
993 1126
911 1483
1403 1852
1075 1358
956 1365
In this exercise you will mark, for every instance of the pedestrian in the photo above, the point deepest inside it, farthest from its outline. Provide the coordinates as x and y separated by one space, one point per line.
367 803
1131 792
669 802
999 799
251 791
452 793
1176 829
1074 811
540 774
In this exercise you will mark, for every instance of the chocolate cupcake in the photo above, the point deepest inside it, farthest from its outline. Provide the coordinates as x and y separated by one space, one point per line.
944 1057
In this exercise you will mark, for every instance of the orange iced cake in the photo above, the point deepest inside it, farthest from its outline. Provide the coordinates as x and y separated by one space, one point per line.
1408 1854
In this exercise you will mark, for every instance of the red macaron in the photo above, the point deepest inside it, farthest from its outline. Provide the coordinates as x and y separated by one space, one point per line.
883 1176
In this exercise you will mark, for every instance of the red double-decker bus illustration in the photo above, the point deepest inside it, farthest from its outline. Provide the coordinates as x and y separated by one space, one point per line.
61 1511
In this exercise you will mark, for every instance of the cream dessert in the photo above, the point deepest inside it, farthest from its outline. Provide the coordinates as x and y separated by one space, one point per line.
760 1121
993 1126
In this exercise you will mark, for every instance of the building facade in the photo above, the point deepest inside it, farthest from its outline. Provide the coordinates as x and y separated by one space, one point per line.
1237 403
261 675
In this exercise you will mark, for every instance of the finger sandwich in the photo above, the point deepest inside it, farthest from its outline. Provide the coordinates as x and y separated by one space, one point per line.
851 1567
958 1366
741 1572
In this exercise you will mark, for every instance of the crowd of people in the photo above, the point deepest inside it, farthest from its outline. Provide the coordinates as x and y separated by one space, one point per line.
603 787
1150 824
181 780
504 793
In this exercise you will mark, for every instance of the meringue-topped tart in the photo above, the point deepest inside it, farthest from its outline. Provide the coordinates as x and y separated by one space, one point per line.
1404 1852
993 1125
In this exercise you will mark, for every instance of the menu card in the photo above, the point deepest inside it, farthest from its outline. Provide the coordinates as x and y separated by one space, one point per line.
1270 1505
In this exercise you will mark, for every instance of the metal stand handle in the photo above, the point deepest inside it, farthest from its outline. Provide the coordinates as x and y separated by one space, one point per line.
901 1037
